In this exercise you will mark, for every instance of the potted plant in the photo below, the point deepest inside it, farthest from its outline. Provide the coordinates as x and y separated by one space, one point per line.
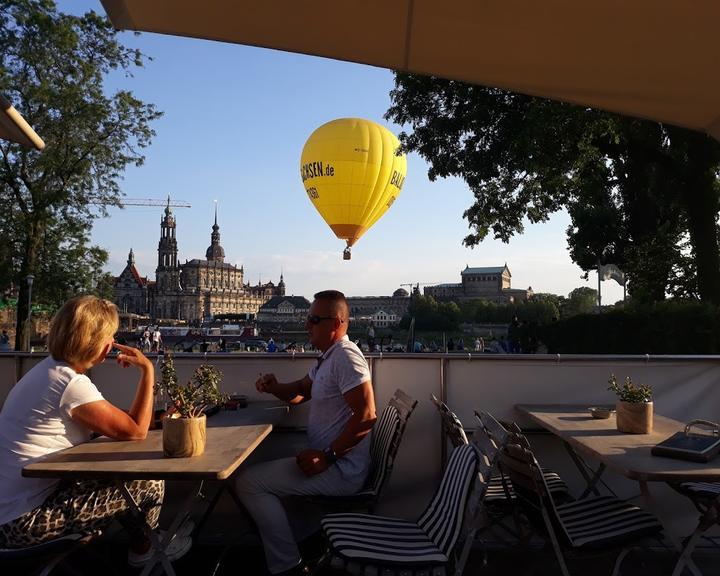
184 428
634 406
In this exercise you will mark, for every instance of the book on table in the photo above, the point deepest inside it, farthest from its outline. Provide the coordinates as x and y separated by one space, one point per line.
689 445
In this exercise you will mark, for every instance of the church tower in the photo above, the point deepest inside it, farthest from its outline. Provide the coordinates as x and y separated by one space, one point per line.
167 273
215 252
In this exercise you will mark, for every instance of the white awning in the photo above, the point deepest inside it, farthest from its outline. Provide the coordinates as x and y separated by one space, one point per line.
654 59
13 127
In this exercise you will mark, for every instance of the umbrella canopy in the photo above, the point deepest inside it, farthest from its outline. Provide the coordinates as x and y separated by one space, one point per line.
14 128
654 59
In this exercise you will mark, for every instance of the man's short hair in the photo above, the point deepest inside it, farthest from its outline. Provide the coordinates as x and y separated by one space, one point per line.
81 328
337 301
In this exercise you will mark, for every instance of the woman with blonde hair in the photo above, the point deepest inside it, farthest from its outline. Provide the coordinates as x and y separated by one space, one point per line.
56 406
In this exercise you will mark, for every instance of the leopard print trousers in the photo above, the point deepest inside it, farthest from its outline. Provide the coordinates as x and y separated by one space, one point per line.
82 508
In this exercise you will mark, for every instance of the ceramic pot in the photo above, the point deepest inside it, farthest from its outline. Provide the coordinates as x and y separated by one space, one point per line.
184 437
635 417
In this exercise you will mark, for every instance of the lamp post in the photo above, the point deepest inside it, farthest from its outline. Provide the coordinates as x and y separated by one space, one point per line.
30 279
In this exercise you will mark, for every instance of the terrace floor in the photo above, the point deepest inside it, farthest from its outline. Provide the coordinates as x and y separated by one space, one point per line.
221 550
247 559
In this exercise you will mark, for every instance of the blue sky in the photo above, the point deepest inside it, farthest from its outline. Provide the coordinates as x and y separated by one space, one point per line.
235 121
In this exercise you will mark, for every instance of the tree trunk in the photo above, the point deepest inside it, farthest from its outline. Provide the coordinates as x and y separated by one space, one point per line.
22 324
701 204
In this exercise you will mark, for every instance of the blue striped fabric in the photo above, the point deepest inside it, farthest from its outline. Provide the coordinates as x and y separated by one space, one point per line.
596 522
556 485
604 520
394 541
382 438
701 489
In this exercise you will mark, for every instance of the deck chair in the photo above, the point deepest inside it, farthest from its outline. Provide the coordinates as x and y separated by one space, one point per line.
706 498
501 488
387 435
42 559
436 544
589 525
451 425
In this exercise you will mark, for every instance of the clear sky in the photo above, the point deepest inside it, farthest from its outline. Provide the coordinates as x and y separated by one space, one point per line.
235 122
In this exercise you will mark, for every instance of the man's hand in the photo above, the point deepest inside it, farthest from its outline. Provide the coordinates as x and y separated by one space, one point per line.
267 383
312 462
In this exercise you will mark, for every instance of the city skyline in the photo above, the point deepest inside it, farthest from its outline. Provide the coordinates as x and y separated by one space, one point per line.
236 119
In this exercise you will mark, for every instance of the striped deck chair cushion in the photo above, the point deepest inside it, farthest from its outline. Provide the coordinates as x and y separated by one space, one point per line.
392 541
604 520
556 485
380 539
383 435
700 489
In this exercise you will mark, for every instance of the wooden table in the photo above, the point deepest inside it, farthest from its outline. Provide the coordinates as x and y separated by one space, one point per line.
626 454
120 461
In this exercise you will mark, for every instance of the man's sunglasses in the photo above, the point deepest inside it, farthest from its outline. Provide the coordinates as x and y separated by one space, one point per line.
315 319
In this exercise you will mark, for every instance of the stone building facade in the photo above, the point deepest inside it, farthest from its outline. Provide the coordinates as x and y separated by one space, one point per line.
194 291
491 283
363 308
284 309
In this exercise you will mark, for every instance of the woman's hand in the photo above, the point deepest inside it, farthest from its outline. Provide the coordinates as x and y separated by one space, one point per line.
129 356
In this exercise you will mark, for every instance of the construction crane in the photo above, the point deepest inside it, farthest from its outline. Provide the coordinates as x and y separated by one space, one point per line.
153 202
149 202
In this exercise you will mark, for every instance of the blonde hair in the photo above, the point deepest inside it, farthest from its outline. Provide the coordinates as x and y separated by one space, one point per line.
81 328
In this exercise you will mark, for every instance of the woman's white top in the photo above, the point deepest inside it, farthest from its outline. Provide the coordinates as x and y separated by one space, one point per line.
35 421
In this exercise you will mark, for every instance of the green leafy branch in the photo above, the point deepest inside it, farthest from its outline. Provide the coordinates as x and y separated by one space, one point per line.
192 399
629 392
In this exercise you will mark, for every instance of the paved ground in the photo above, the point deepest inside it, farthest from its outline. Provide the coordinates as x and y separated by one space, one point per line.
226 548
245 558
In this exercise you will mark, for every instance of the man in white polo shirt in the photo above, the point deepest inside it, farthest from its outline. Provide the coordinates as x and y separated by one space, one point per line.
342 413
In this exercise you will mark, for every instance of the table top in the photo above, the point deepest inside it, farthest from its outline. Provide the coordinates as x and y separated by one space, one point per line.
256 412
627 454
225 449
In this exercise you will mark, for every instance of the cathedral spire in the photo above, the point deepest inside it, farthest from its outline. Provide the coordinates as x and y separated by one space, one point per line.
215 252
131 258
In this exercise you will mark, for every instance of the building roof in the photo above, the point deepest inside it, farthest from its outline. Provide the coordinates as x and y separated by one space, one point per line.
275 301
485 270
197 263
446 285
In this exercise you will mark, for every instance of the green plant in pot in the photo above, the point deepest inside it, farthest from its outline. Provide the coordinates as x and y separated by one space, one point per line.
184 429
634 406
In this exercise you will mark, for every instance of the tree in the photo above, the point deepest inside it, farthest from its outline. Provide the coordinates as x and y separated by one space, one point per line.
53 66
581 300
633 188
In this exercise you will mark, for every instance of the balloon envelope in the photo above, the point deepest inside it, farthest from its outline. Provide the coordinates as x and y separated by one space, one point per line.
352 174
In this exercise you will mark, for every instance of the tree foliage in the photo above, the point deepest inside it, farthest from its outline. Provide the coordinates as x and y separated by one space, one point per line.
635 190
53 67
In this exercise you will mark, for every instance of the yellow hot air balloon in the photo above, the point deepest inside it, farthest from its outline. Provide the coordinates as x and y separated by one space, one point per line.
352 174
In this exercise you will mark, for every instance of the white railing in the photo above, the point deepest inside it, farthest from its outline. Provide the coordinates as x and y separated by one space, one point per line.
684 388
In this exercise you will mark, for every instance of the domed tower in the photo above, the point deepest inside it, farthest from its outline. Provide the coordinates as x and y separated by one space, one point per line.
281 286
215 252
167 273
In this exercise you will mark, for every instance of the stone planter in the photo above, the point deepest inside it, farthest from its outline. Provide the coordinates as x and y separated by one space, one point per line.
184 437
635 417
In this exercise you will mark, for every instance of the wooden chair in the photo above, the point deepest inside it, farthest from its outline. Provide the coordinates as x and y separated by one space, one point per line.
451 425
436 544
706 498
588 525
386 438
500 488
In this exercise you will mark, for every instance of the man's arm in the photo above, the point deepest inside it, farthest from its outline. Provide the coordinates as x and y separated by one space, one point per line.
361 401
295 392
